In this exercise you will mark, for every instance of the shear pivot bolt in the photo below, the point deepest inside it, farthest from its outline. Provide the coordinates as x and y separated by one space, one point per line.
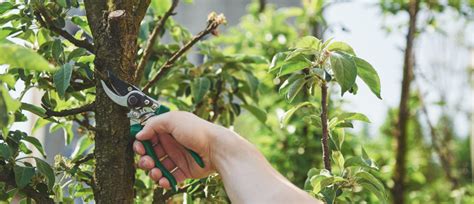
133 100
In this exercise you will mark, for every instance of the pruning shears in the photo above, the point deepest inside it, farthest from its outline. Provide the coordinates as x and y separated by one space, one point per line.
142 108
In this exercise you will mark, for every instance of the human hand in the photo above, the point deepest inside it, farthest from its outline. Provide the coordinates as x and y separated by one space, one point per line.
171 133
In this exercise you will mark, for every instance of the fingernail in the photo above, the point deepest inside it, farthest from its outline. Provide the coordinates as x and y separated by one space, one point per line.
134 147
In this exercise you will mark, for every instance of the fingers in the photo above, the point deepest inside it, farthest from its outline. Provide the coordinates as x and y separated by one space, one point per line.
138 148
156 175
155 125
146 163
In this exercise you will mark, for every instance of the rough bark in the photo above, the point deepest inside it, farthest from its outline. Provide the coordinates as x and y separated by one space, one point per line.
114 25
404 109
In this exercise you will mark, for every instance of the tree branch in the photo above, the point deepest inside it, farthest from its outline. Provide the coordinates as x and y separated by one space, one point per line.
214 21
85 159
85 124
151 41
261 5
140 10
46 22
324 122
68 112
8 176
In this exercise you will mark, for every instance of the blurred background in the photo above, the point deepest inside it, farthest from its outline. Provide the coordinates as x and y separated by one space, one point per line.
440 134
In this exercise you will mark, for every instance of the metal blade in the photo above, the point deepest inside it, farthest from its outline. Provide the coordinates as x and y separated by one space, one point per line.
121 100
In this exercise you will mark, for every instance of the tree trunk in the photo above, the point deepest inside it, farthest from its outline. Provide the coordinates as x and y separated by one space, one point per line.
404 109
114 26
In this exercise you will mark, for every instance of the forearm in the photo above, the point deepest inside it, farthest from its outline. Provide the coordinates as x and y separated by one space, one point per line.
247 175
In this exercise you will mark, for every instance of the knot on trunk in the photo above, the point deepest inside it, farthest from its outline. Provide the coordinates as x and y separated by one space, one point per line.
116 14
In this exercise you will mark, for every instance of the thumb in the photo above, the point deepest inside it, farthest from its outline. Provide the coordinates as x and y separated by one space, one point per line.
156 125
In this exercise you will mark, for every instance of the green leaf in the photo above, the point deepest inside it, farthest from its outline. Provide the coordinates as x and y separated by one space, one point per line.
338 158
199 88
68 133
25 149
250 59
344 70
39 111
23 175
326 43
319 182
341 46
309 42
82 145
63 3
369 75
314 120
4 119
4 33
260 114
8 79
20 57
277 61
57 50
299 52
370 178
45 169
58 193
286 84
62 78
376 187
4 151
5 6
35 143
7 105
295 64
160 6
353 116
252 82
295 88
359 161
288 114
81 21
338 137
380 195
329 194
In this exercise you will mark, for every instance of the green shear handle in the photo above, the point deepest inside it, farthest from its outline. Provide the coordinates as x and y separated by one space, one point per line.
134 129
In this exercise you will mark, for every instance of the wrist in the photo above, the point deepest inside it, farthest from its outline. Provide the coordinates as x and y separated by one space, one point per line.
226 147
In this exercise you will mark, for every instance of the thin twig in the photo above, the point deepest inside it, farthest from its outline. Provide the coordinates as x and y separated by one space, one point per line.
86 124
69 112
324 122
214 21
85 159
46 22
151 41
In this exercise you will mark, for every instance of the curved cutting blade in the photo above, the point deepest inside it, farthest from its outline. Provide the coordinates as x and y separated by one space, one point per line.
121 100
